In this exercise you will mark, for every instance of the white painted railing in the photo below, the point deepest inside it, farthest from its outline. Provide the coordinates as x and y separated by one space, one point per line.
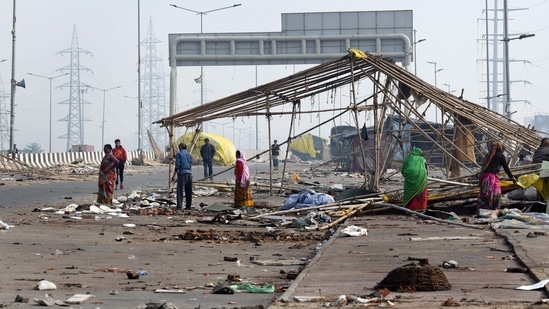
44 160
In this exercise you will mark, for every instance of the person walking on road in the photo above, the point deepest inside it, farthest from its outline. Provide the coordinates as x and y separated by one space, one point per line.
120 153
414 171
183 166
242 191
207 152
107 176
489 196
275 152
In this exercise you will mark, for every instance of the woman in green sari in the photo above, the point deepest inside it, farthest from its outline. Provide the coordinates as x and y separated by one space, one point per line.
414 171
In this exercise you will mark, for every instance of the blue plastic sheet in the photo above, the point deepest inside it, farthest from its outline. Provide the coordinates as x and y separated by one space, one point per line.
307 198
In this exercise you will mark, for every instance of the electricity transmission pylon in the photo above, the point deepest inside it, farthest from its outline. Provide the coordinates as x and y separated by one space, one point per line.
153 93
75 118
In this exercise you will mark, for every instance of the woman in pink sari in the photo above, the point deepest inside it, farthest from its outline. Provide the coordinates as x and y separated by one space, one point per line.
107 176
242 191
489 196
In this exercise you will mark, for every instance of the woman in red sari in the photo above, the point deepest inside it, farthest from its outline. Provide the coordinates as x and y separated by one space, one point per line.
107 176
242 191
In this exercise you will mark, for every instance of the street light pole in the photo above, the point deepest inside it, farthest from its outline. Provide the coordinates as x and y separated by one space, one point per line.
139 116
415 51
50 79
436 71
202 13
506 40
506 61
13 84
448 85
103 120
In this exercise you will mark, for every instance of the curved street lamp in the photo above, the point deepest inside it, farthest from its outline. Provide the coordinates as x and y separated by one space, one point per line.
415 50
103 120
50 78
200 79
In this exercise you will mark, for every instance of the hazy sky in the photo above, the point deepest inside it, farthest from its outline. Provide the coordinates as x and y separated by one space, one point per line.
108 30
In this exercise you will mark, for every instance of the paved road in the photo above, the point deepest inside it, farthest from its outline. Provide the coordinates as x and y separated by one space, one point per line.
15 193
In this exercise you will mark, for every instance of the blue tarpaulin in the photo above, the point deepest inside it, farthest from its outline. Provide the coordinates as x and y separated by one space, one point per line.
307 198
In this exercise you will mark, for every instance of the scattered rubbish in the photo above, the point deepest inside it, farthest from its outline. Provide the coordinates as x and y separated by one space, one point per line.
534 286
128 225
446 238
48 300
45 285
143 272
204 191
69 209
222 288
353 230
295 178
291 274
234 278
113 292
450 302
253 288
77 299
340 301
336 186
96 210
20 299
306 299
4 226
516 270
302 222
450 264
132 275
355 192
160 305
280 262
230 258
169 291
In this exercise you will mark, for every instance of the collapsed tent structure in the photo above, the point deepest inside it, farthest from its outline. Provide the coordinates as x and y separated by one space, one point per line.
224 149
308 147
461 137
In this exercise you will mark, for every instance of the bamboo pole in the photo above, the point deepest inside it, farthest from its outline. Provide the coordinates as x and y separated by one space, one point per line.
289 140
324 206
344 217
355 115
270 150
422 215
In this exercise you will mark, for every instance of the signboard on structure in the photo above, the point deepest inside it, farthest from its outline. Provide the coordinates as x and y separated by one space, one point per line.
305 38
